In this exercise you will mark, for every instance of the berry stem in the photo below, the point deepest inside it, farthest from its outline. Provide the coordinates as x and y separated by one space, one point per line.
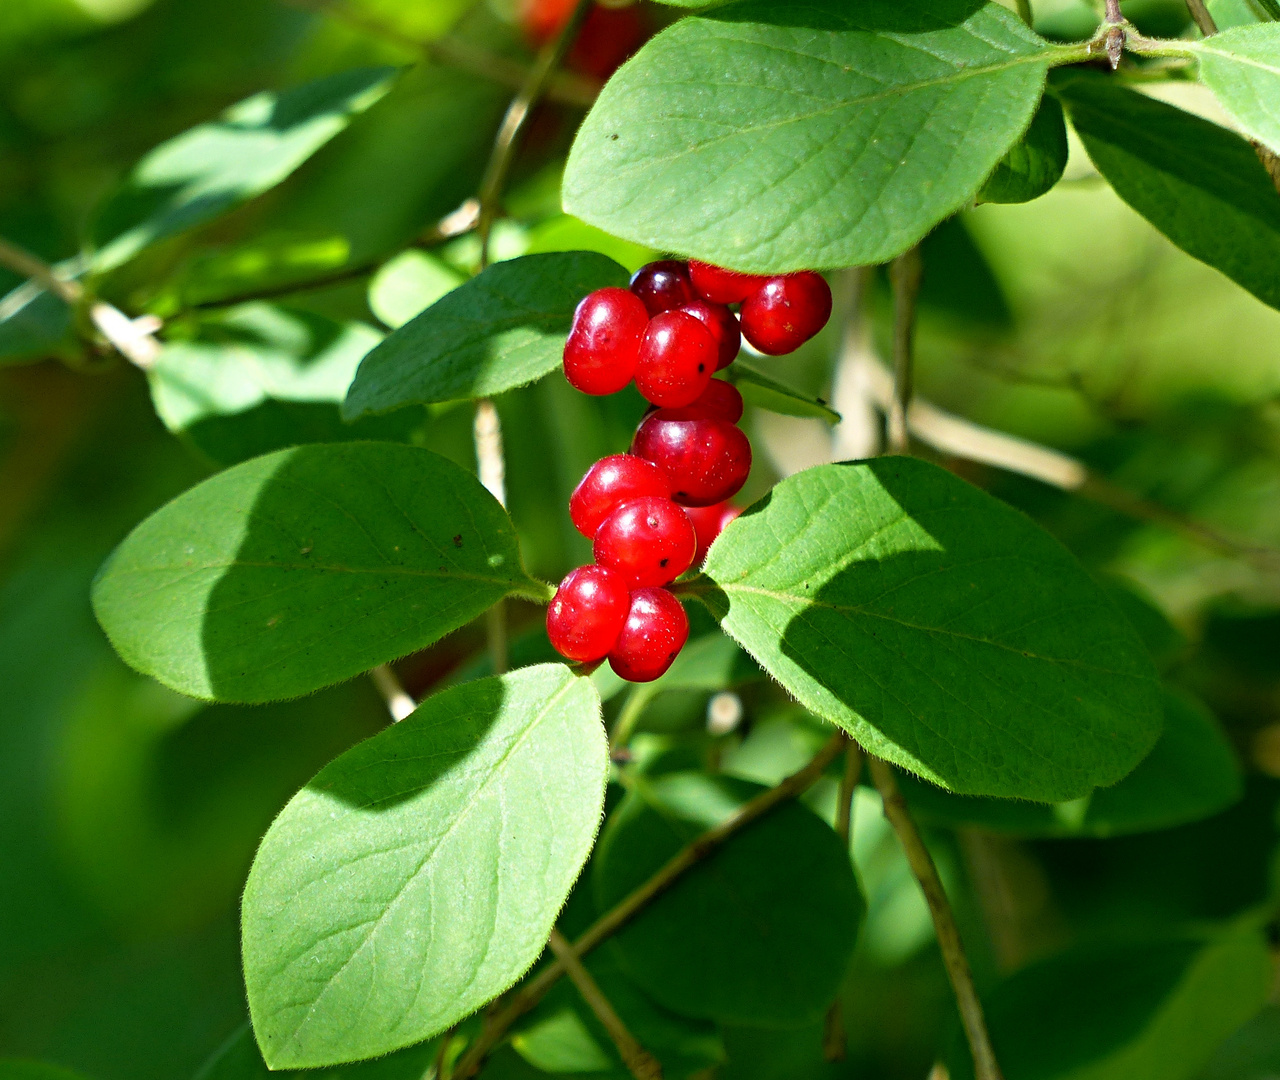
833 1035
629 715
492 469
399 703
904 273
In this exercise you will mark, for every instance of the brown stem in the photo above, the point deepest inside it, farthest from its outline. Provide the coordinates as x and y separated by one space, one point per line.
1202 17
834 1041
26 264
944 922
639 1062
442 1054
904 274
634 902
506 141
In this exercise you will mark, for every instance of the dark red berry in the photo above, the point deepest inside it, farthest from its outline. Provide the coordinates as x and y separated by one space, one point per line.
720 401
588 612
707 459
723 325
663 285
650 541
604 342
708 523
655 631
677 358
609 483
785 312
723 286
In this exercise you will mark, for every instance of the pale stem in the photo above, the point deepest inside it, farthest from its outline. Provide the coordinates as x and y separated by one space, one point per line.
491 466
639 1062
944 922
442 1055
629 715
834 1040
632 904
1024 11
904 274
399 703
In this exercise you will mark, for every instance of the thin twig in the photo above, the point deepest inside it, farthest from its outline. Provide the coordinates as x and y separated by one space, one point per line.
634 902
1024 11
507 139
904 273
1203 19
491 466
833 1035
639 1062
944 922
442 1055
28 265
399 703
638 698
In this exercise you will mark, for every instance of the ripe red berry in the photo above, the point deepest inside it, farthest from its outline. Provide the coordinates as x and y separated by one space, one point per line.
723 286
677 358
655 631
649 541
707 459
663 285
609 483
588 612
785 312
720 400
723 325
708 523
604 342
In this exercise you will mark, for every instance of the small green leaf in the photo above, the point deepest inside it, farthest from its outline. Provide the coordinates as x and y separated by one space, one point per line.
1190 774
419 875
772 136
1242 68
1034 163
760 390
305 567
503 329
240 1059
1199 184
944 630
761 932
409 284
206 171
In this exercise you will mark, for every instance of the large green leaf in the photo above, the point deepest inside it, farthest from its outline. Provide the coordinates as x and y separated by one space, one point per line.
772 136
1190 774
240 1059
419 875
1242 68
502 329
18 1069
760 932
305 567
206 171
1199 184
1136 1012
944 630
1034 163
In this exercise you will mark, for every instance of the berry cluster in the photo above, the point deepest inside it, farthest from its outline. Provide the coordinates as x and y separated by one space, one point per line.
652 513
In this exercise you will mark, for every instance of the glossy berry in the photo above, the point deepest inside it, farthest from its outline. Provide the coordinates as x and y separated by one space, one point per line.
655 631
677 358
604 342
588 612
662 286
722 286
786 312
649 541
707 459
709 523
719 401
609 483
607 38
724 327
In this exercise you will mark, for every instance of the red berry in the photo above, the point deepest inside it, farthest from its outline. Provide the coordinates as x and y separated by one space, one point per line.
707 459
708 523
650 541
720 401
786 312
609 483
677 358
588 612
652 637
723 325
723 286
604 341
663 285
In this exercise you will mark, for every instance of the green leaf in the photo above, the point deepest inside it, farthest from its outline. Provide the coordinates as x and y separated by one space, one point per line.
760 390
409 284
419 875
761 932
1035 162
240 1059
503 329
1199 184
206 171
1191 774
16 1069
1242 68
305 567
943 629
770 136
1149 1011
34 324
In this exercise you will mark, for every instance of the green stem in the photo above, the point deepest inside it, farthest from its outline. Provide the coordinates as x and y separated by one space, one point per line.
1024 11
632 709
